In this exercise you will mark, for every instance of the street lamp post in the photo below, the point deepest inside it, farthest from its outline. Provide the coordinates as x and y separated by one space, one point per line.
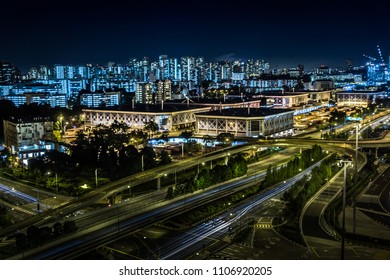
56 183
118 215
96 177
345 163
38 205
356 174
61 123
129 187
56 180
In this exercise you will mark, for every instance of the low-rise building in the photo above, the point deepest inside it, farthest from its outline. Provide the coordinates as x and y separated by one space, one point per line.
27 138
285 99
246 122
358 98
168 117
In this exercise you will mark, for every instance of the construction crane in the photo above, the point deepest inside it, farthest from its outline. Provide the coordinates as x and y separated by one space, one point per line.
370 57
380 53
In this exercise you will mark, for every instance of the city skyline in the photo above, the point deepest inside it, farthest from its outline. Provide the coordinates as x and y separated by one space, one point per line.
284 34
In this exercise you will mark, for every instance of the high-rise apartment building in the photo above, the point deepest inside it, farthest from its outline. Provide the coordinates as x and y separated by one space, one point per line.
94 99
144 93
174 70
163 90
188 69
8 73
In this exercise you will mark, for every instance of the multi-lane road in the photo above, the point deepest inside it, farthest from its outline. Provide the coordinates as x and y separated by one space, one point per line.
115 216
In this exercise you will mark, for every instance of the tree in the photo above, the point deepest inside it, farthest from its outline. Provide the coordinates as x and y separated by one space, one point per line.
57 229
4 157
192 146
69 227
225 138
33 236
5 218
218 173
237 165
45 233
169 193
21 241
186 135
165 158
102 144
128 159
151 127
164 136
208 140
138 137
149 157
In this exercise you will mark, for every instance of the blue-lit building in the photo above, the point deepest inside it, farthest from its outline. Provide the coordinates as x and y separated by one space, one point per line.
54 100
95 99
17 99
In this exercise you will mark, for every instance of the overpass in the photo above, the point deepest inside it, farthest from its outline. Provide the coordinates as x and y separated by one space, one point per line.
373 143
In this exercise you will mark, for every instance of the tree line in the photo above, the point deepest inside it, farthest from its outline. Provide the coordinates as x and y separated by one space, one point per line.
235 167
37 236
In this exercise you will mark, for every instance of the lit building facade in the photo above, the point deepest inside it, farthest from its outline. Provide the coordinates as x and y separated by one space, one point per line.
163 90
17 99
54 100
144 93
357 98
27 138
286 100
95 99
8 73
167 117
246 122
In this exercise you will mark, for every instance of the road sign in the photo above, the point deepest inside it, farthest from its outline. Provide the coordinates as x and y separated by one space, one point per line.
353 119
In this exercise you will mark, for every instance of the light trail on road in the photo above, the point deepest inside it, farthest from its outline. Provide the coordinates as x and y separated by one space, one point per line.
219 227
14 192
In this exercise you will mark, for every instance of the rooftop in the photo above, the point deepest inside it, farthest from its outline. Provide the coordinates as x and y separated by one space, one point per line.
245 112
279 93
360 91
150 108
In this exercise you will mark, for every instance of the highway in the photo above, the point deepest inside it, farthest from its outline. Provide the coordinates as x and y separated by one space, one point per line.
322 238
191 242
118 186
112 219
139 203
122 211
375 200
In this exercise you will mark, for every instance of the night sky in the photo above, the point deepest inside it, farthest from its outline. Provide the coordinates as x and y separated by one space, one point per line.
284 33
